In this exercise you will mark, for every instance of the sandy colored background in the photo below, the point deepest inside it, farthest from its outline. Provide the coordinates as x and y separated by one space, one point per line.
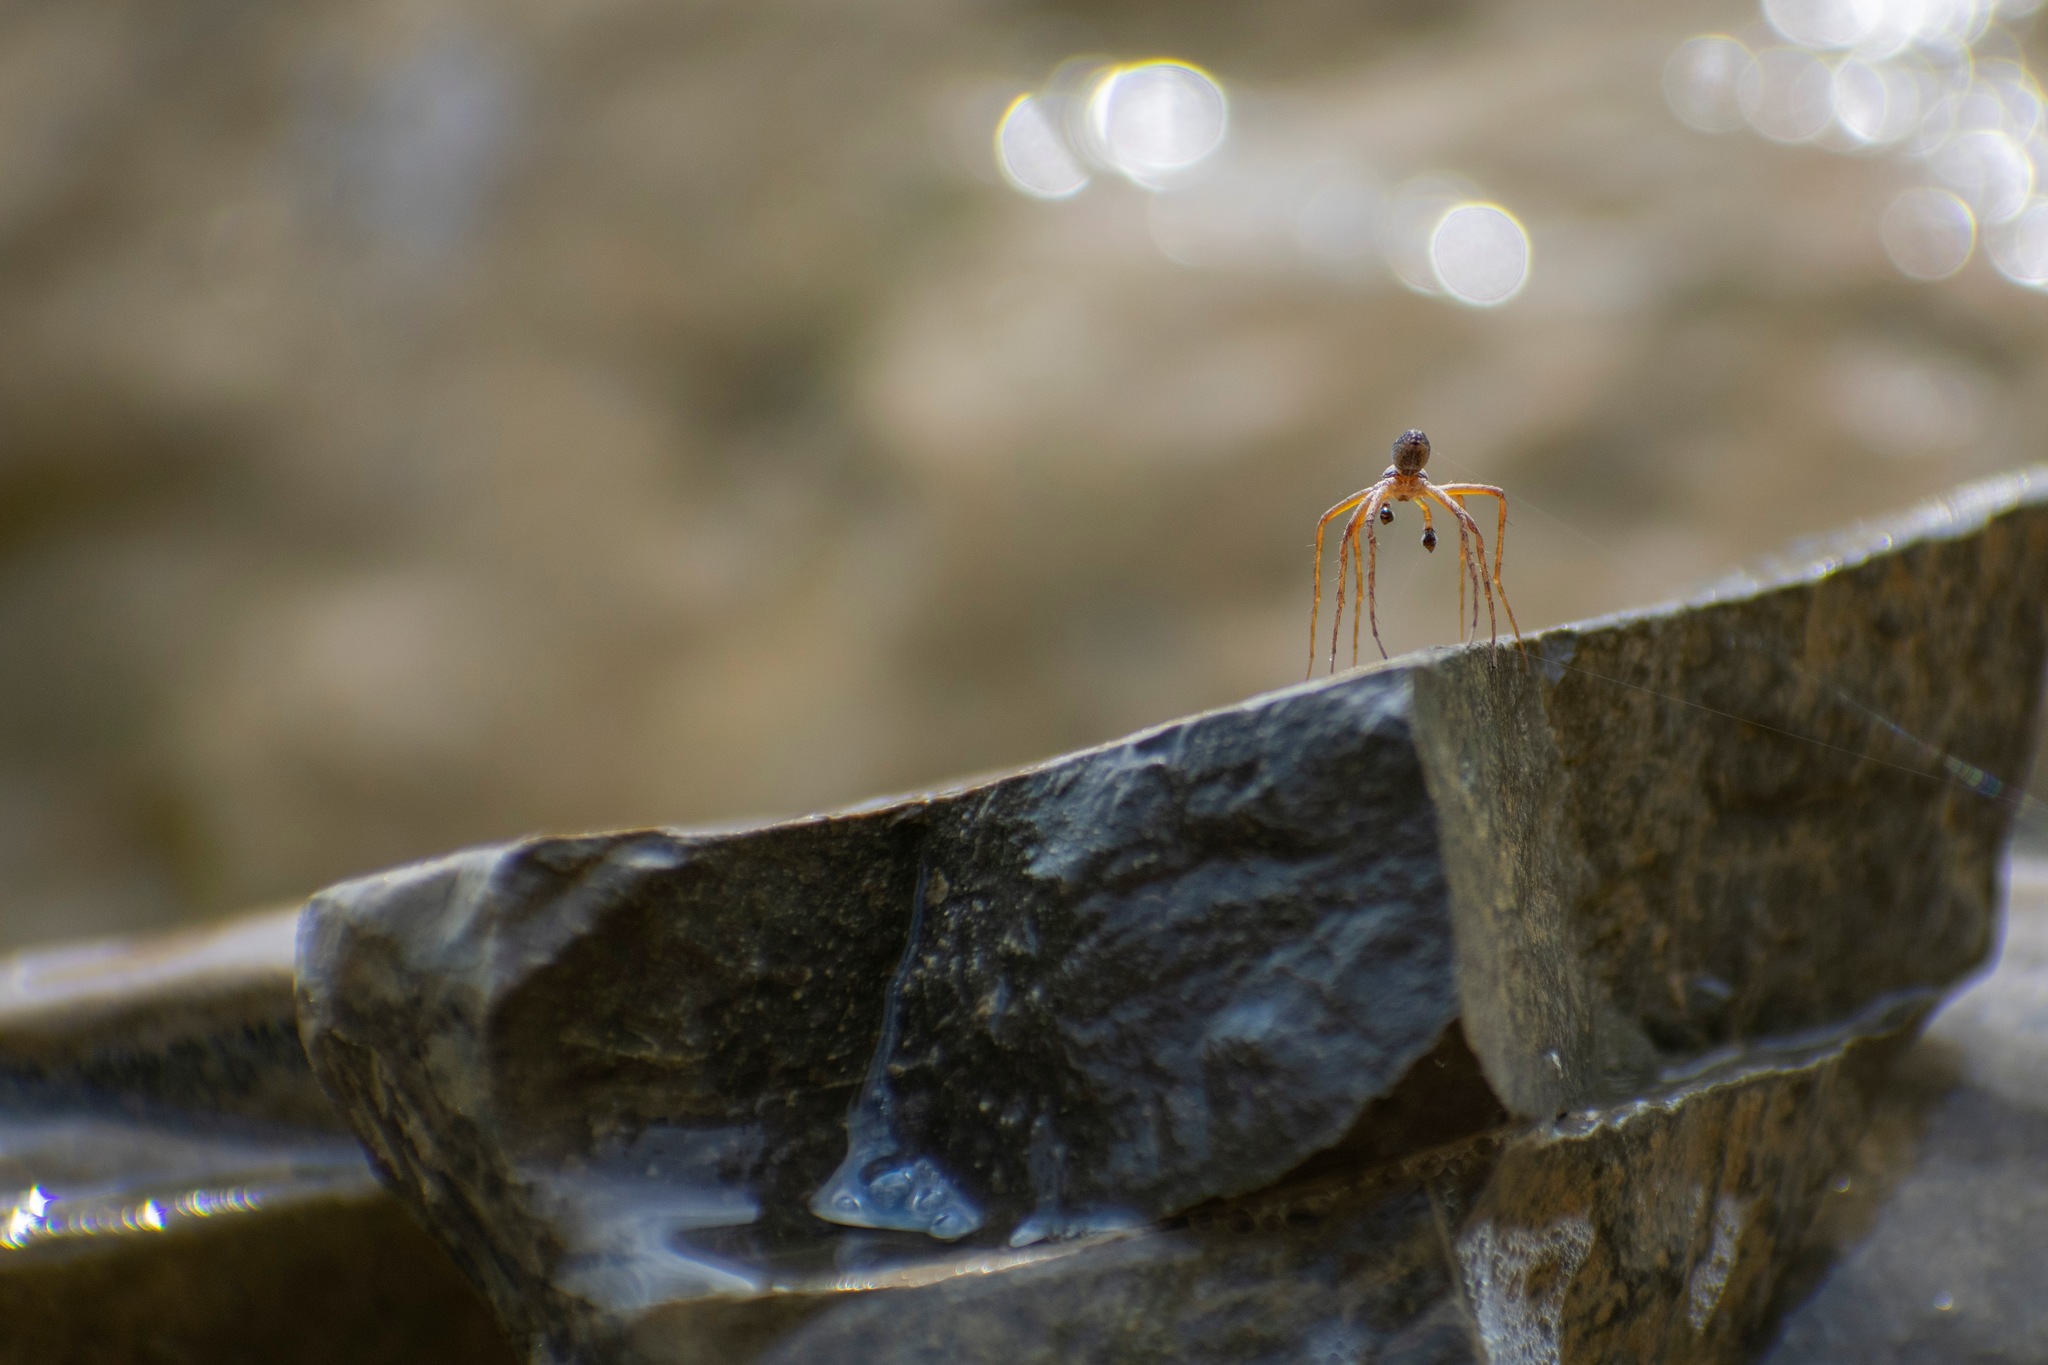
423 423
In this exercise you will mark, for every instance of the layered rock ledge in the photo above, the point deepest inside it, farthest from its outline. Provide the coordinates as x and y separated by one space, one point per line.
174 1185
1481 1005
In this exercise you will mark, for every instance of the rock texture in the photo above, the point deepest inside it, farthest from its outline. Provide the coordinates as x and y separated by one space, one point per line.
1480 1003
1940 1224
173 1184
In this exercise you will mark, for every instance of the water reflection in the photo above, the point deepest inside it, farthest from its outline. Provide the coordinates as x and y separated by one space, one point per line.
1700 82
1274 200
1150 122
1928 233
1940 84
1154 120
1876 103
1480 254
99 1178
1033 156
1784 93
2019 250
39 1218
1409 222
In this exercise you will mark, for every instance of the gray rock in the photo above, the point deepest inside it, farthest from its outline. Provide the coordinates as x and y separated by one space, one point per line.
173 1184
1003 1053
1654 1231
192 1022
1938 1231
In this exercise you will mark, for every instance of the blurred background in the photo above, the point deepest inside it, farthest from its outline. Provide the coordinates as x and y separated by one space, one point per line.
425 422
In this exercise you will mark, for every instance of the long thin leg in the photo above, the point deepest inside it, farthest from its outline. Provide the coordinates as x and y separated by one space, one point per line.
1358 582
1461 491
1467 571
1372 573
1465 523
1349 542
1316 602
1429 543
1344 539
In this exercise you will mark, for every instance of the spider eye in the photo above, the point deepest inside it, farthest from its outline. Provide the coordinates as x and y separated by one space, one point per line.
1429 538
1386 514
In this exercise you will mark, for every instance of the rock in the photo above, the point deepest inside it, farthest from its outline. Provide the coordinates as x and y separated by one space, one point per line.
1469 998
1656 1231
195 1022
1743 818
174 1185
1942 1224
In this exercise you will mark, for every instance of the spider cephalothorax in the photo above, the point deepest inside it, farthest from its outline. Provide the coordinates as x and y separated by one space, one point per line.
1404 481
1411 452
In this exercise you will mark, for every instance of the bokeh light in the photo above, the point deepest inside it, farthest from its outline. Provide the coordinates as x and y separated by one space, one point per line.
1939 83
1033 156
2019 247
1408 224
1786 94
1928 233
1154 120
1989 171
1480 254
1822 23
1701 80
1221 201
1874 103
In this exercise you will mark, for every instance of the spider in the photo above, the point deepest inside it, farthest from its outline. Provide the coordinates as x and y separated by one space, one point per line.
1404 481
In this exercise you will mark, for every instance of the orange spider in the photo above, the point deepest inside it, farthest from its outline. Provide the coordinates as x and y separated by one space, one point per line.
1404 481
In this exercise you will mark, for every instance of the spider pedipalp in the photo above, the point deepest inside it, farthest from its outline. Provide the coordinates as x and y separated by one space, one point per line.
1386 514
1429 539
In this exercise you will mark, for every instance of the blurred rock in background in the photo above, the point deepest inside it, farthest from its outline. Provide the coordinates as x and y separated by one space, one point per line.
423 423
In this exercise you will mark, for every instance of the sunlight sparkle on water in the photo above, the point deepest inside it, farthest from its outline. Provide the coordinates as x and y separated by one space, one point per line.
1785 94
2019 248
1989 172
1928 233
1701 79
1263 198
1153 120
1942 84
1033 156
1480 254
1874 102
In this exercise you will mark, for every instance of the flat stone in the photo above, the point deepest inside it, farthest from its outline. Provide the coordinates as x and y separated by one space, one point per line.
1615 924
173 1183
196 1021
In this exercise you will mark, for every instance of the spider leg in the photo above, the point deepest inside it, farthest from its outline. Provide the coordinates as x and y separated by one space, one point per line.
1358 583
1461 491
1429 543
1343 579
1466 571
1372 573
1315 603
1348 542
1466 524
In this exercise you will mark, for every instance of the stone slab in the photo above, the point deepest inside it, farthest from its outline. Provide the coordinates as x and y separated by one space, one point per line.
995 1036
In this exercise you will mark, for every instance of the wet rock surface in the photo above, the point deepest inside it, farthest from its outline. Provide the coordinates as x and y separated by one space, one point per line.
1462 1008
175 1186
